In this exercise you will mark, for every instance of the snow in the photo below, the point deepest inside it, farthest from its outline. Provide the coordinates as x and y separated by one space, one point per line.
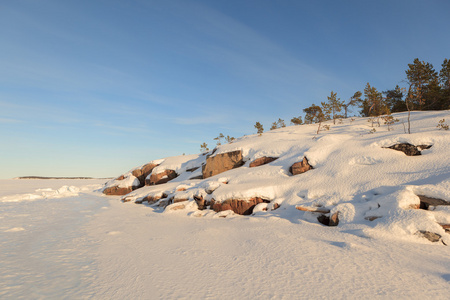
64 239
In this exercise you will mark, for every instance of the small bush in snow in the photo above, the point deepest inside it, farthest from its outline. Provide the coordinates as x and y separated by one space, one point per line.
442 125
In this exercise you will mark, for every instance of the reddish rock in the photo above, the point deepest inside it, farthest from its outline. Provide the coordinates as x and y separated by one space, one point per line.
241 207
262 161
222 162
118 191
162 177
276 206
300 167
121 177
143 172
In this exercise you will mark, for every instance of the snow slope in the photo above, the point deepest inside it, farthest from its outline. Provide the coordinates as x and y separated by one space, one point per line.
72 242
354 174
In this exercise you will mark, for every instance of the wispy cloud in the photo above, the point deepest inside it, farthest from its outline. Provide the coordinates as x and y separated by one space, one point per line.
10 121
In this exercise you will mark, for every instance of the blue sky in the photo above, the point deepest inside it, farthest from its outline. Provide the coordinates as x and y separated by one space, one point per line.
94 88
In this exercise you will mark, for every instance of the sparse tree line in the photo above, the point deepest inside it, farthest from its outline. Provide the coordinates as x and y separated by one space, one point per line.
426 89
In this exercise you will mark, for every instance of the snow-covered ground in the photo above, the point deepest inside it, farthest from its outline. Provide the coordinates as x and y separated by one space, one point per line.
64 239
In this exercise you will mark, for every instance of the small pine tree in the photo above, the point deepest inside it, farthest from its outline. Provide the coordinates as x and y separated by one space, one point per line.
204 147
280 123
297 121
219 138
332 107
229 139
274 126
259 128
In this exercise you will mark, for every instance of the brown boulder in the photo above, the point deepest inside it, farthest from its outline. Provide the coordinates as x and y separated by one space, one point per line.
162 177
143 172
222 162
118 191
241 207
300 167
262 161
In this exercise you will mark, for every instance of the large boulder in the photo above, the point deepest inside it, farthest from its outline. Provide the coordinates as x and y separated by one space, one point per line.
300 167
142 172
241 207
118 191
162 177
222 162
262 161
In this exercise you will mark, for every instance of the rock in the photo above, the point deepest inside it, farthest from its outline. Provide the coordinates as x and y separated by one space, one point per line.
143 172
222 162
426 202
446 227
151 198
262 161
241 207
118 191
409 149
333 220
431 236
275 206
313 209
162 177
176 200
200 202
300 167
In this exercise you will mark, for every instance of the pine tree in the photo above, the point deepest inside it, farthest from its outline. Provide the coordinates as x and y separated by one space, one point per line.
354 100
297 120
444 74
332 108
259 128
394 99
373 103
313 114
444 78
419 75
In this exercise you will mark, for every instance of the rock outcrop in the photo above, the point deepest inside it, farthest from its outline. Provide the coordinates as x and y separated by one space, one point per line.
126 183
161 177
241 207
409 149
300 167
143 172
262 161
222 162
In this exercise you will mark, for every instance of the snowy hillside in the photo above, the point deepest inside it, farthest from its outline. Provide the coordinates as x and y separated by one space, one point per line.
355 181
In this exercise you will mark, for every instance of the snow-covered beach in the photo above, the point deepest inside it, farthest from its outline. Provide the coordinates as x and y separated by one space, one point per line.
64 239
